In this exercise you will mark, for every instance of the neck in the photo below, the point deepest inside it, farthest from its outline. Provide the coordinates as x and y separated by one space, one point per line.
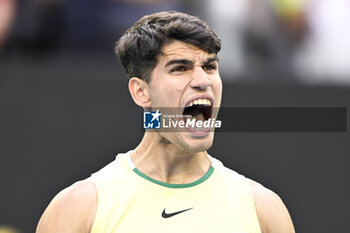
165 162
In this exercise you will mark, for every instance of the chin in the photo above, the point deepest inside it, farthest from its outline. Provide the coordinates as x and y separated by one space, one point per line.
197 149
188 142
195 145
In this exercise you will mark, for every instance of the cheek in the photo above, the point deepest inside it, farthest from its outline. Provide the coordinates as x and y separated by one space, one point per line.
181 85
162 97
175 88
217 87
179 90
217 84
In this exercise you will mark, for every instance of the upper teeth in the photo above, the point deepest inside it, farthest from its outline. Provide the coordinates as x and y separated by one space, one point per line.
199 101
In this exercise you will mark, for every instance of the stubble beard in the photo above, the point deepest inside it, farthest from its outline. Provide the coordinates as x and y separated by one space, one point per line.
181 143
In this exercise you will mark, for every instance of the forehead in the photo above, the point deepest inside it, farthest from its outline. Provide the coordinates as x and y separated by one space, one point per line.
181 50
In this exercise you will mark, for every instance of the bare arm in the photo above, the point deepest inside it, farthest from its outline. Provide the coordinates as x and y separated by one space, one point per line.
71 211
272 213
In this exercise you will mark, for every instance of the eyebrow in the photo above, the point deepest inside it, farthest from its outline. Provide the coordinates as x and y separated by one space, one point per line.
210 60
179 61
188 62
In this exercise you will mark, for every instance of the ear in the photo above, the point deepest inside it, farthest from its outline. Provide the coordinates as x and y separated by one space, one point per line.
139 92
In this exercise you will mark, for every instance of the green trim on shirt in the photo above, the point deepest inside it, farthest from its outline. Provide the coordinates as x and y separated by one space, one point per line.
201 180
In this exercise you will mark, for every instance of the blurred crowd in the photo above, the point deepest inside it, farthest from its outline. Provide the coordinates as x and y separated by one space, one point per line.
282 40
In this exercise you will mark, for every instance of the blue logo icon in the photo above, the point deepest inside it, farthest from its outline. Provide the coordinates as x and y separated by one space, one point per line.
151 120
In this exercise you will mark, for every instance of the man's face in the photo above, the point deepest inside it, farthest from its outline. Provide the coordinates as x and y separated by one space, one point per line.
186 75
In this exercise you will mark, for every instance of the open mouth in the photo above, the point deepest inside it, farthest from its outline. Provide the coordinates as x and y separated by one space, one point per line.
199 109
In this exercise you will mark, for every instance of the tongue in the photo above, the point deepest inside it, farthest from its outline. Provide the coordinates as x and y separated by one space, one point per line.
196 114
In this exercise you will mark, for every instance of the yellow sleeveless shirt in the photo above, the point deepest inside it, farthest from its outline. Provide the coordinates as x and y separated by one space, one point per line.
131 202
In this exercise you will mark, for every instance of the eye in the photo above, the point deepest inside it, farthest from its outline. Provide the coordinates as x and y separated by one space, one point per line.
209 67
179 69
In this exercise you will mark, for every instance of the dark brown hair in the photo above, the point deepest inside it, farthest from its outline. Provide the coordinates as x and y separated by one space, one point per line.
138 49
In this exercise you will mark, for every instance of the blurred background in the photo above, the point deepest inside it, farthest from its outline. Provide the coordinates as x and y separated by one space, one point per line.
65 110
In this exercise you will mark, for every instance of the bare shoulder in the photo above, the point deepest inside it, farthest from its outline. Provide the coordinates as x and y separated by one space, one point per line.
272 213
71 211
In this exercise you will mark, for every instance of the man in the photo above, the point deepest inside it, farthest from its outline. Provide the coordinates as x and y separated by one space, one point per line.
168 183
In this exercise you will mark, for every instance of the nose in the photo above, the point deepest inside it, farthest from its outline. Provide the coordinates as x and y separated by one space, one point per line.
199 79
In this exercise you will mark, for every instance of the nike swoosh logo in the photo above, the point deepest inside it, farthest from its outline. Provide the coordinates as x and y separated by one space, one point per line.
168 215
